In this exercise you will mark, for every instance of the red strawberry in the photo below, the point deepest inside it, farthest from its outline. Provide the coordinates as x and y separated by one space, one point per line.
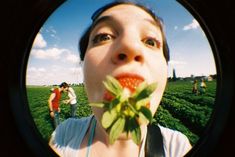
130 82
108 96
127 81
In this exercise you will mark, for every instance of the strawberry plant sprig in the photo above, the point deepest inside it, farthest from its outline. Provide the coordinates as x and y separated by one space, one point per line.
126 111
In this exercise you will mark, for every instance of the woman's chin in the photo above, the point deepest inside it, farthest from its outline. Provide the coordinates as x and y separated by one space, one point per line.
124 136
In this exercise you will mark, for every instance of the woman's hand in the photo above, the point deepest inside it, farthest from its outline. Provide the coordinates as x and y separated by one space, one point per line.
52 114
66 101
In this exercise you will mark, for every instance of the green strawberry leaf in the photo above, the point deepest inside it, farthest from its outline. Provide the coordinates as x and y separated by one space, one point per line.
112 85
114 103
117 129
132 108
141 103
135 131
141 87
142 119
136 135
146 92
108 118
147 113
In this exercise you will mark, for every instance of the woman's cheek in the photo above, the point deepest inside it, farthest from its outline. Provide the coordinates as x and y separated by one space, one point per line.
161 80
155 101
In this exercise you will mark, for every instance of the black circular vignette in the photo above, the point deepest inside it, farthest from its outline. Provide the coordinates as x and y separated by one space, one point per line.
215 20
23 19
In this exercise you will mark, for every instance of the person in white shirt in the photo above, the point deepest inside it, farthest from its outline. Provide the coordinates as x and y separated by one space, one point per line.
72 101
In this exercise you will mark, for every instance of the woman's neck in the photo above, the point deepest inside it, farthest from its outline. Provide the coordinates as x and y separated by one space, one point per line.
123 146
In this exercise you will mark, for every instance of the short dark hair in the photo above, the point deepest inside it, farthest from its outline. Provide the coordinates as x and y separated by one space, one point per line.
83 43
64 85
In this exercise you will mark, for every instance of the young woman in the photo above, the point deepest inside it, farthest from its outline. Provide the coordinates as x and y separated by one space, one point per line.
125 40
72 101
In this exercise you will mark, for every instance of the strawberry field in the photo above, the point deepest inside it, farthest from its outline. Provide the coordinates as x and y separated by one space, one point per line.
180 109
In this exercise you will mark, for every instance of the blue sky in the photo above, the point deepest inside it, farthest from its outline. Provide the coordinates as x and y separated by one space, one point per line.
54 56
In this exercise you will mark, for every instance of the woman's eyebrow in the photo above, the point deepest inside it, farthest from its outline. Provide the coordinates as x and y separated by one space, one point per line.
111 19
153 22
103 19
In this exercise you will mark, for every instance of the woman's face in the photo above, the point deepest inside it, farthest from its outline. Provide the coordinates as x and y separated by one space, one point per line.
125 41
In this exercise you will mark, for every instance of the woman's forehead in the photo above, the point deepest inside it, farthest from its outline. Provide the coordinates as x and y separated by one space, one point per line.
127 10
127 13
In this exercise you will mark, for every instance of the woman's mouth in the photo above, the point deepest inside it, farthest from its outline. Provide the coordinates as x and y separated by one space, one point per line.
127 80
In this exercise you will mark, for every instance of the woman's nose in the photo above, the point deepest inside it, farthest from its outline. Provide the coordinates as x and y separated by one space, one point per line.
128 50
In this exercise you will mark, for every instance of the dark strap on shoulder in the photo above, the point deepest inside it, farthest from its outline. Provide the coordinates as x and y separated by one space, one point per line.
154 142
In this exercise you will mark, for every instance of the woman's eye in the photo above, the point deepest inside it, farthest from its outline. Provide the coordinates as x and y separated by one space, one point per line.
152 42
102 38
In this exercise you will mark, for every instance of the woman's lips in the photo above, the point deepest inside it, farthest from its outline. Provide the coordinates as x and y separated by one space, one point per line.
129 75
127 80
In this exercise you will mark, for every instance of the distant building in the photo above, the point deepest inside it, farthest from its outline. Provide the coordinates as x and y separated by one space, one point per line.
174 75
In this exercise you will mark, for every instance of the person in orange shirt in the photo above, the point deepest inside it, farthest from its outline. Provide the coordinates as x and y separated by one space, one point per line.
54 102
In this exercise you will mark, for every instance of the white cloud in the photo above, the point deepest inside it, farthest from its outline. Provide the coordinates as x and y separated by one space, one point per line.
51 29
31 69
52 35
77 70
193 25
37 77
72 58
175 62
34 70
55 68
39 41
41 70
51 53
54 74
176 27
35 74
52 32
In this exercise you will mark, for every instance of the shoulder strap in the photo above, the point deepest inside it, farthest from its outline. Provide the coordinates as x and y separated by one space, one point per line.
154 142
91 137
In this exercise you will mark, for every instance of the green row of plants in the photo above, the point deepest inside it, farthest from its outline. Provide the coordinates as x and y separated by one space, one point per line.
192 116
164 118
197 100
